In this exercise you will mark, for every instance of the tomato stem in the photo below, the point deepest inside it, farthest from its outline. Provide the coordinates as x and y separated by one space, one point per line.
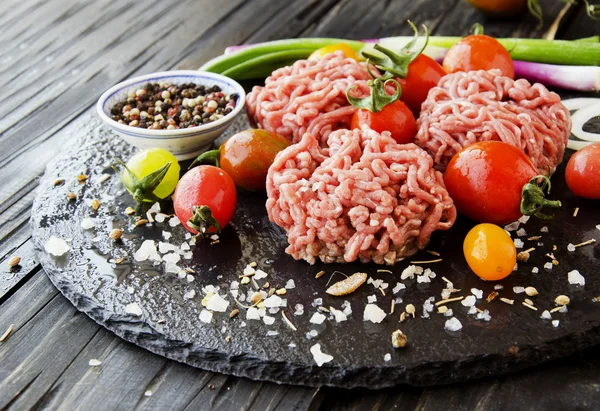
142 189
202 220
476 29
533 200
211 156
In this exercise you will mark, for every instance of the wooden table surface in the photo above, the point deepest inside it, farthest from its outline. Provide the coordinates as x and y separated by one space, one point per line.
57 57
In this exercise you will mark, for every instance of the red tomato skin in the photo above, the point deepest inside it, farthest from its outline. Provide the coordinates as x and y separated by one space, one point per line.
395 118
205 185
424 73
485 181
479 52
583 172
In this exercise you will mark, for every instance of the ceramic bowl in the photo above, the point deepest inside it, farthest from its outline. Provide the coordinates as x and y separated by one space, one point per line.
184 143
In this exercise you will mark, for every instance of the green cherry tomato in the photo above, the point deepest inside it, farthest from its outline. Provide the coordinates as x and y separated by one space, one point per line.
148 161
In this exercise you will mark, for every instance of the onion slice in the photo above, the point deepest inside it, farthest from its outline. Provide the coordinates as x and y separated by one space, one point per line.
585 110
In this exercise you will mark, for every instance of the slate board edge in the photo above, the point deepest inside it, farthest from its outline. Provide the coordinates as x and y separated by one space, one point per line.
141 334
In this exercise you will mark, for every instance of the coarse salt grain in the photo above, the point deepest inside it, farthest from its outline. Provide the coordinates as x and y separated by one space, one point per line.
252 314
571 247
373 313
498 287
548 266
544 229
555 323
133 309
535 270
87 223
271 333
512 226
94 362
524 219
56 246
311 334
217 303
453 324
268 320
146 250
260 274
576 278
546 315
518 290
521 232
249 270
317 302
319 356
299 309
398 287
317 318
338 315
477 293
469 301
472 310
518 243
484 315
387 357
189 294
410 271
290 285
174 221
371 299
449 313
166 235
206 316
273 301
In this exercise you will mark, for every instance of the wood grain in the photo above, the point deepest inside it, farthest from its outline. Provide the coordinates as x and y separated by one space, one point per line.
58 57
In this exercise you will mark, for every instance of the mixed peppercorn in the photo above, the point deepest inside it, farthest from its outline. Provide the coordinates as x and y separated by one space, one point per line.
166 106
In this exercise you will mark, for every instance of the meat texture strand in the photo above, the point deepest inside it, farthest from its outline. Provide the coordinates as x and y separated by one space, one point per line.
362 196
308 96
467 107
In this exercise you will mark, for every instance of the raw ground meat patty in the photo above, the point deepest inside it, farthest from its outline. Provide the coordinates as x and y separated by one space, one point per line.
483 105
308 96
363 196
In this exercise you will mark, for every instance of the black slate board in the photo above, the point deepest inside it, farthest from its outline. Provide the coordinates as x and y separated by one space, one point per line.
169 325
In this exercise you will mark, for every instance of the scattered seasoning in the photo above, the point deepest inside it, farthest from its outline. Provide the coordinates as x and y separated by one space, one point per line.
448 300
534 238
427 261
256 298
399 339
287 321
119 260
531 291
559 308
392 307
234 313
214 242
271 292
433 253
528 301
410 309
82 178
169 106
116 233
103 178
529 306
266 285
141 221
7 333
347 286
228 338
507 301
588 242
14 262
384 271
211 386
402 316
523 256
281 291
562 300
443 309
129 211
514 350
71 196
94 362
492 295
58 182
95 204
320 274
575 211
245 280
253 264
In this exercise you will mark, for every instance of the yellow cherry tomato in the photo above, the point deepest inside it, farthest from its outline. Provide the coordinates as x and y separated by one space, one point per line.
348 51
150 160
490 252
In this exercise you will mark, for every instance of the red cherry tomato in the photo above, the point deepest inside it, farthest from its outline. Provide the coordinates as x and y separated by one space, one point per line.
395 118
424 73
485 181
479 52
583 172
205 186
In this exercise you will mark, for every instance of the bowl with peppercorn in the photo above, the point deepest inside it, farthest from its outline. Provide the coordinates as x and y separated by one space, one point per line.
182 111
